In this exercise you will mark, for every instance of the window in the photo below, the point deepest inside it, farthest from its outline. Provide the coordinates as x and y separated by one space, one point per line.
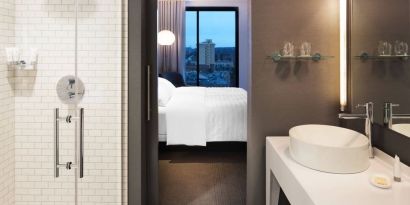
211 53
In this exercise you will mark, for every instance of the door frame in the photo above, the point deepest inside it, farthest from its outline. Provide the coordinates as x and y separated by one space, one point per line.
142 103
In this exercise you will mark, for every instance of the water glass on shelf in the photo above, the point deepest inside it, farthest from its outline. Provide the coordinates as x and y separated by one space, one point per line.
305 49
288 49
13 55
384 48
400 48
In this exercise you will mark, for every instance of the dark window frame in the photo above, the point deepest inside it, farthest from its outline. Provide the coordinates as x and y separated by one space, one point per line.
198 9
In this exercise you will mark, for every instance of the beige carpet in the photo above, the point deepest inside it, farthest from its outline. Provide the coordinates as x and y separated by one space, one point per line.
202 178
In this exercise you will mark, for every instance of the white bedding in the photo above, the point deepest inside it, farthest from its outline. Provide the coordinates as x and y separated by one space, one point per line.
186 115
162 123
197 115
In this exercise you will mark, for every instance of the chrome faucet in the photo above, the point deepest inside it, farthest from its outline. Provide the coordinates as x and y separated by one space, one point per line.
368 117
388 114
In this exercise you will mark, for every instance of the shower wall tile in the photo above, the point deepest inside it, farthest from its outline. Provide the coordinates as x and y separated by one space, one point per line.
6 105
49 25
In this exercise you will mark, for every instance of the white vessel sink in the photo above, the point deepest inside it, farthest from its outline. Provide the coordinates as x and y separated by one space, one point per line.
402 129
329 148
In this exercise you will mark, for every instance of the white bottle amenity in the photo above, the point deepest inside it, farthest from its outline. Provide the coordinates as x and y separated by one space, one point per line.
397 169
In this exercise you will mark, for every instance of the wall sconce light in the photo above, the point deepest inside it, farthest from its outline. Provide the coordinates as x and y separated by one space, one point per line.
343 54
166 38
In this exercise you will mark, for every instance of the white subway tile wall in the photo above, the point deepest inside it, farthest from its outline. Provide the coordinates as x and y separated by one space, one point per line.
6 105
102 38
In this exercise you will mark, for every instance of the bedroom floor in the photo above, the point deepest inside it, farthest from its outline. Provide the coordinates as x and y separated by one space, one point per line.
202 177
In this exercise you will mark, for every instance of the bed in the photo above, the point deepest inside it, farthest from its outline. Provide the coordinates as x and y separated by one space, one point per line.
194 116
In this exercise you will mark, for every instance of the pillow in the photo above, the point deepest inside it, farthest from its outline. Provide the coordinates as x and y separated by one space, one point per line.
165 91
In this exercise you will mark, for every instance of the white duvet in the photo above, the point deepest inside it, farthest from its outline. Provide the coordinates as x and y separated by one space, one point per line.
196 115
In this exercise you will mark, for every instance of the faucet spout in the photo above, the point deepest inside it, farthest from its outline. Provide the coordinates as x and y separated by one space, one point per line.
401 116
368 117
389 115
352 116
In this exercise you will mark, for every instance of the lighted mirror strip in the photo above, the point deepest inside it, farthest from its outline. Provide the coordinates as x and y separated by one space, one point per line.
343 54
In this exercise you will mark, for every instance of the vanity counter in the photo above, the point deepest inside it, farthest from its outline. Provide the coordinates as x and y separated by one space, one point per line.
305 186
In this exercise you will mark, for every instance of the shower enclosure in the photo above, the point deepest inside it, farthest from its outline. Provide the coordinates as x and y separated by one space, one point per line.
63 130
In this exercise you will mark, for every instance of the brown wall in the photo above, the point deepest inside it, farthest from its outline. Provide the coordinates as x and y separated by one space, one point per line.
289 93
380 81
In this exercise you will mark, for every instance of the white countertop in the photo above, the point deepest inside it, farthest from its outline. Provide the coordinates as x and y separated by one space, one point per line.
304 186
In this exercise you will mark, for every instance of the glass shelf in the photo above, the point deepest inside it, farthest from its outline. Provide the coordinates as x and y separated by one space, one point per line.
366 56
276 57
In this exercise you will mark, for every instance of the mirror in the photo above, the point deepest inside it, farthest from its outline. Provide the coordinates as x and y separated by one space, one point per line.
380 61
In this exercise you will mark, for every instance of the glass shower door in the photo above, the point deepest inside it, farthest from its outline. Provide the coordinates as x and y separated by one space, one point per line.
102 64
42 34
70 105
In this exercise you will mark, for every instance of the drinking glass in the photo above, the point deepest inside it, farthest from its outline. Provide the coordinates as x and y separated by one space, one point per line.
288 49
384 48
305 49
400 48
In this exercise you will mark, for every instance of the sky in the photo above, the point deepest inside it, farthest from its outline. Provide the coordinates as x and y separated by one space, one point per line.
216 25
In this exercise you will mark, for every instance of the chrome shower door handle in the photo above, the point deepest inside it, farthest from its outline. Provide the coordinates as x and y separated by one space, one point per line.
81 147
56 142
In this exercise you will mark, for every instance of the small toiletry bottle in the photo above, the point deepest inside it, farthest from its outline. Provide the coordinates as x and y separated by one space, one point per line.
397 171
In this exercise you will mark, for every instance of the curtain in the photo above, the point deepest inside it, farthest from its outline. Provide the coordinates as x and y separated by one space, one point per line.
171 16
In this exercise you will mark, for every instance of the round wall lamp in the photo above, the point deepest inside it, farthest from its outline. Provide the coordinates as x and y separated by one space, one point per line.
166 38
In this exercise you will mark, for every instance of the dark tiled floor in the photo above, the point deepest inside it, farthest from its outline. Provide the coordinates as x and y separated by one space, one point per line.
202 178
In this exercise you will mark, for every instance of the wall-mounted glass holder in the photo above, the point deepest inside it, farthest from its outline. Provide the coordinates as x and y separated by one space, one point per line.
15 58
277 57
366 56
22 65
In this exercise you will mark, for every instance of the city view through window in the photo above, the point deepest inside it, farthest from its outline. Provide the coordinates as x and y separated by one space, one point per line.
214 64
